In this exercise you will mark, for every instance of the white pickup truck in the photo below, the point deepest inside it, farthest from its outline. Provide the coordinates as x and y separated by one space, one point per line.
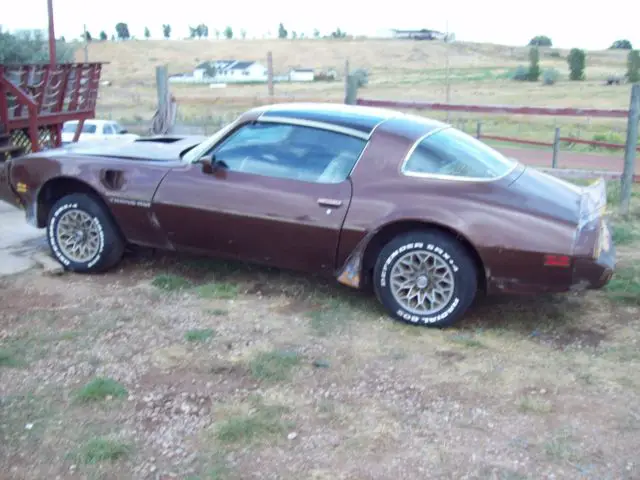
96 130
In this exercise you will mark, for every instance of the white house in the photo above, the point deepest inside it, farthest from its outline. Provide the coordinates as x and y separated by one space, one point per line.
301 75
230 71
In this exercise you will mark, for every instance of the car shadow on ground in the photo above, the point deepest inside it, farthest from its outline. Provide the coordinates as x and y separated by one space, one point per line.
541 316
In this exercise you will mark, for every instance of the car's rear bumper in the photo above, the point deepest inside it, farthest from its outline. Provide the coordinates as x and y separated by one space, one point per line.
595 273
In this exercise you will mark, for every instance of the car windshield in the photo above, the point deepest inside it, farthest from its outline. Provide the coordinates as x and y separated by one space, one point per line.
453 153
70 127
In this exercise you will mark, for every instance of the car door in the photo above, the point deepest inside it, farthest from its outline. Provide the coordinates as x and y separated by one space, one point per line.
279 196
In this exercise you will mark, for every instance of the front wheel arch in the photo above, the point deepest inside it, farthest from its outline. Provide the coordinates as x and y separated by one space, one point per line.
57 187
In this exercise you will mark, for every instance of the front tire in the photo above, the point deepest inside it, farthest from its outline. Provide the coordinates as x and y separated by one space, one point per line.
425 278
82 235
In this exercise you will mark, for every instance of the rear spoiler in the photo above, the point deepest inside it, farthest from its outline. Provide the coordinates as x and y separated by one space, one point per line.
593 202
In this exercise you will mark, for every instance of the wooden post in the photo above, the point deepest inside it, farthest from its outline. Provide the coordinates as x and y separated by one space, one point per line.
351 90
346 74
479 130
52 35
270 74
556 148
162 87
630 149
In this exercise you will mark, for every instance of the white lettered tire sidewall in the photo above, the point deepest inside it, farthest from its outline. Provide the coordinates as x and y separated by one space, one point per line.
110 248
449 250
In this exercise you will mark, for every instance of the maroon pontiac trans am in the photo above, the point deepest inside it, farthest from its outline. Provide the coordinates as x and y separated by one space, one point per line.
424 214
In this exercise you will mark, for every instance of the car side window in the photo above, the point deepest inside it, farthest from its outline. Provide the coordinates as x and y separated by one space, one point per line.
89 128
108 129
291 151
453 153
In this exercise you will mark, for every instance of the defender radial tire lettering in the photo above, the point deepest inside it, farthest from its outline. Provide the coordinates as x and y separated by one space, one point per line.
445 248
111 245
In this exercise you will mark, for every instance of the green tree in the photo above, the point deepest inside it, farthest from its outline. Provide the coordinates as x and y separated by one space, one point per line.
147 33
103 36
122 30
621 45
87 36
31 47
316 33
243 33
228 33
577 60
338 34
166 30
294 35
534 65
633 66
540 41
282 32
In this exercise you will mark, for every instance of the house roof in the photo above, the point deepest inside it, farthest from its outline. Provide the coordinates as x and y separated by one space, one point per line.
241 65
302 69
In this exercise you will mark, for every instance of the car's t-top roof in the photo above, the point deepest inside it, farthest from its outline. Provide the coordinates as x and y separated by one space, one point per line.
355 117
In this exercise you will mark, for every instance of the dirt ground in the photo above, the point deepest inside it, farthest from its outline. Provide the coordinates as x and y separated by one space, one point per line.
183 367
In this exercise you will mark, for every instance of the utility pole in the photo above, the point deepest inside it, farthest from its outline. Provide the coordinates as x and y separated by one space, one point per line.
448 85
86 45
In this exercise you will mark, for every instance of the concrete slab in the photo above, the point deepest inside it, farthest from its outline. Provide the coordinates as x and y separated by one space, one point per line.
19 241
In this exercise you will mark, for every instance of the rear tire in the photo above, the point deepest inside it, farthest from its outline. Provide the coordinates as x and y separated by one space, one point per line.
82 235
425 278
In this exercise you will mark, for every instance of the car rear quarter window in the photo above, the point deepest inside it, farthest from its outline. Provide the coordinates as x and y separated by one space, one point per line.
453 153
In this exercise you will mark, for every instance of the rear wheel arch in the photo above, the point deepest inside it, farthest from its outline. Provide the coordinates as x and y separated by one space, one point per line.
391 230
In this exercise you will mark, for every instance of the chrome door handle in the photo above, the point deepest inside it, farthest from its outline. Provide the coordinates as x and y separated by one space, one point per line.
329 202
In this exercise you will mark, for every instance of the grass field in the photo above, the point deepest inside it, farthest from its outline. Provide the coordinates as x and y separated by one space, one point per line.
213 370
398 69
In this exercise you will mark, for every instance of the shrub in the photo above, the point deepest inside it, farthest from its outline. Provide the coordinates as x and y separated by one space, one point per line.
520 74
633 66
550 76
555 54
534 65
621 45
540 41
577 62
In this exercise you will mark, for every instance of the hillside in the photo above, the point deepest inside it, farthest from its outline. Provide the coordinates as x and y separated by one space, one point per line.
134 61
398 69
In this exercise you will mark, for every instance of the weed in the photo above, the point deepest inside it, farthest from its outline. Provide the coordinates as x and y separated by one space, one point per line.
624 234
531 404
263 423
466 341
216 312
199 335
101 449
273 366
218 290
9 359
625 285
99 389
170 282
559 447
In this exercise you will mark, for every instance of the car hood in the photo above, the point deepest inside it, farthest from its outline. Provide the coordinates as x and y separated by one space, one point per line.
547 196
165 148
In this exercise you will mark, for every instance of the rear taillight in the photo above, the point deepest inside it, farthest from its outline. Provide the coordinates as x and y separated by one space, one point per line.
557 261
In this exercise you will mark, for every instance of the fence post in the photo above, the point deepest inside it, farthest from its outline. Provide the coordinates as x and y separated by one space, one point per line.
162 86
630 149
351 90
270 74
556 148
479 130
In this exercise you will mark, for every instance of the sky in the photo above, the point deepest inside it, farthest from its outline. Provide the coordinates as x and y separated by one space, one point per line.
492 21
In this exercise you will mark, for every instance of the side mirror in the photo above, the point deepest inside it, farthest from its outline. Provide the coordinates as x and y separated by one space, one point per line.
124 130
211 165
